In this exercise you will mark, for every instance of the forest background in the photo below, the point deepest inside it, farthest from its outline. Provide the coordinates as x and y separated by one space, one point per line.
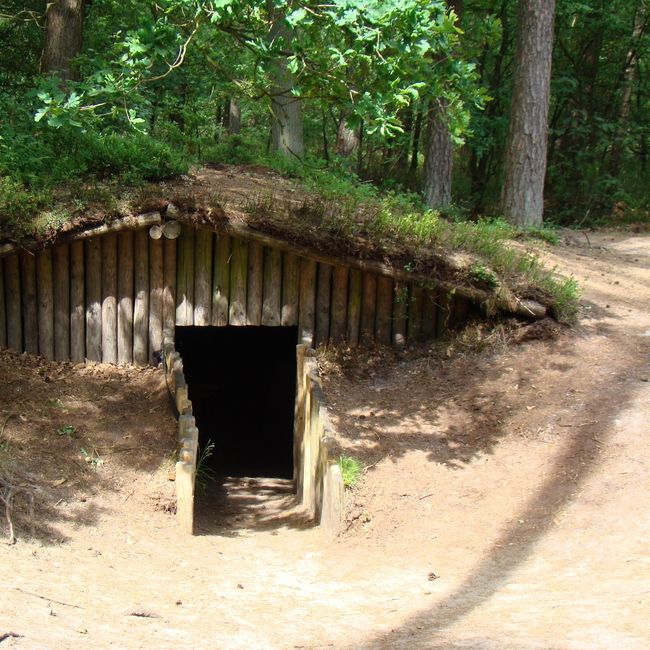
413 97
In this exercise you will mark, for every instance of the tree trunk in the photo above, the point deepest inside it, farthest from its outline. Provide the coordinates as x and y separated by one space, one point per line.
439 152
347 139
415 150
326 149
438 157
234 117
629 78
286 108
360 151
525 165
63 38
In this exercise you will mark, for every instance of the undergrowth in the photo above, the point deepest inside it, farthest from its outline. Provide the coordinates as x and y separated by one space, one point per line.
39 164
350 470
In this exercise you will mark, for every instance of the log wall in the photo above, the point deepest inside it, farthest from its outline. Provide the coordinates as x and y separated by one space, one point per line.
113 297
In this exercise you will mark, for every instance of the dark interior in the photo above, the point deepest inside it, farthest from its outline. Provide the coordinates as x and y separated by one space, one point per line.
242 383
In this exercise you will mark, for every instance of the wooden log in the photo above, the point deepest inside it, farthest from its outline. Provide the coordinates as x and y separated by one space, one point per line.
29 301
331 518
238 282
221 281
77 304
185 278
90 232
443 313
429 310
307 301
238 229
459 312
384 312
3 309
255 284
368 308
290 289
109 298
182 395
203 277
339 318
125 297
400 310
141 299
62 302
13 303
323 304
415 306
93 264
299 418
45 290
156 280
169 290
272 294
185 497
354 307
193 434
304 482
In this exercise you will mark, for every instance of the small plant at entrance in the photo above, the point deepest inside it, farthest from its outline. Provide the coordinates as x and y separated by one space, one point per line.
204 473
350 470
92 457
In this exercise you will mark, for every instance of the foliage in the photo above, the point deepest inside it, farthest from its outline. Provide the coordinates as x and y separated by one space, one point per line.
351 470
17 204
482 275
204 473
68 431
92 457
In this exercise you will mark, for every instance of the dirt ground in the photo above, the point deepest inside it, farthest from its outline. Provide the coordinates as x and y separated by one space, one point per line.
504 502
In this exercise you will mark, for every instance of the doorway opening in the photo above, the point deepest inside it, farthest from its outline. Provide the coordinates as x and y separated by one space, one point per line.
242 383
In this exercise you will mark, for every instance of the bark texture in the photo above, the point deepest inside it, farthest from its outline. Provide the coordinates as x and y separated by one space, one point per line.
525 166
438 158
347 139
63 38
234 117
286 108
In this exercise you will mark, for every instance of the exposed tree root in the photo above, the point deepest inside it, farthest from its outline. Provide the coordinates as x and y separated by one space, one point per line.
8 492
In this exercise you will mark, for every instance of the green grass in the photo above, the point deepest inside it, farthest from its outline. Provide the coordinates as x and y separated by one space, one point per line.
39 164
205 474
351 470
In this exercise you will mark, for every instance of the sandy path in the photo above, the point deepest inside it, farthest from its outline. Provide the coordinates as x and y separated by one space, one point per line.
520 479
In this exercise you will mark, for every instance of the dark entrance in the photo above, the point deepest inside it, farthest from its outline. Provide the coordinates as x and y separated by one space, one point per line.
242 383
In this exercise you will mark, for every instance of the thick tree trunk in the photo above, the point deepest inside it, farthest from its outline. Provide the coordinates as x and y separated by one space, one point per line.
439 152
347 139
286 108
438 157
525 166
63 38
